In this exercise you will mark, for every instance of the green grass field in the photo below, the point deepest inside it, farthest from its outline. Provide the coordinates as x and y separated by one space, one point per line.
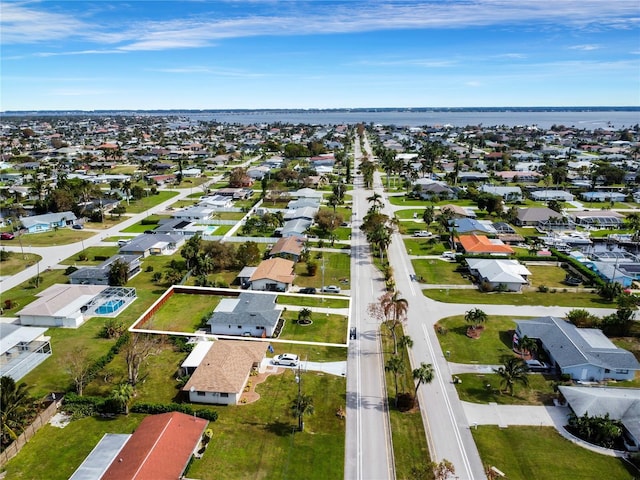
423 246
525 453
327 328
145 203
337 267
434 271
547 275
312 301
91 254
18 262
62 236
560 299
474 389
183 312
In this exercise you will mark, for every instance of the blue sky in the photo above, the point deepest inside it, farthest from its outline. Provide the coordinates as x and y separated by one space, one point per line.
140 54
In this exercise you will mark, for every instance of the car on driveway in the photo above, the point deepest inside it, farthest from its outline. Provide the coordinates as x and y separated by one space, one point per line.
290 359
331 289
423 233
77 226
308 290
7 236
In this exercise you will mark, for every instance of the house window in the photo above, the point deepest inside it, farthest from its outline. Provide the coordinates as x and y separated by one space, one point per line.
201 394
239 326
622 370
224 395
260 328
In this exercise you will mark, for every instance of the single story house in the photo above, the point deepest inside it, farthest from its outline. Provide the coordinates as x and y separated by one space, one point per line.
178 226
598 218
191 172
22 349
481 245
431 188
546 195
603 196
153 244
250 314
303 202
471 225
159 449
60 306
469 177
47 221
306 193
224 371
583 353
273 275
237 193
99 274
509 274
621 404
519 176
508 194
458 211
195 213
303 213
195 358
216 201
245 275
289 248
294 228
534 216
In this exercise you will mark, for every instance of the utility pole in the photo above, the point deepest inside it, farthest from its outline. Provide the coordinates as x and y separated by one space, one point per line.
299 399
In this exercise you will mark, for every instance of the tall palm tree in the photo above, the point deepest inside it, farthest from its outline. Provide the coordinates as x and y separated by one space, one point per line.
302 405
14 404
395 365
376 202
122 395
423 374
513 371
395 311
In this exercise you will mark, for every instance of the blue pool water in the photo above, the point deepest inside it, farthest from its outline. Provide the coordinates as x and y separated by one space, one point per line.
209 230
109 307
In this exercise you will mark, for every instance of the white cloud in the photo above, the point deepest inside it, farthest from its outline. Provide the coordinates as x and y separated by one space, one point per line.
585 48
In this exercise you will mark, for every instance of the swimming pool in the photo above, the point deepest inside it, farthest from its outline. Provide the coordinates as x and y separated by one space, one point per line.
210 229
109 306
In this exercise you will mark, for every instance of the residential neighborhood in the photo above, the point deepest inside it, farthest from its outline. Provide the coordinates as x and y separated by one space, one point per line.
155 268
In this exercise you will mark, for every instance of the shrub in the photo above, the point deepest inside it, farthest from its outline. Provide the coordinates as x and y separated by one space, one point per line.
70 269
312 268
405 401
543 288
155 408
9 304
100 258
149 268
82 257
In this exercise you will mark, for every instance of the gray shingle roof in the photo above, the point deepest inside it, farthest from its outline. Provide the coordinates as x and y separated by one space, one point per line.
572 346
250 309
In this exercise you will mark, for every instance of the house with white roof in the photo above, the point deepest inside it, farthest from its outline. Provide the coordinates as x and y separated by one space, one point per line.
509 194
22 349
509 274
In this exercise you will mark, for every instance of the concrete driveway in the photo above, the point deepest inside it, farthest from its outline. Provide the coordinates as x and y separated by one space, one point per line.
332 368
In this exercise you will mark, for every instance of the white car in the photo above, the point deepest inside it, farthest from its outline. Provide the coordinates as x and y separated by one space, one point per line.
422 233
331 289
290 359
449 255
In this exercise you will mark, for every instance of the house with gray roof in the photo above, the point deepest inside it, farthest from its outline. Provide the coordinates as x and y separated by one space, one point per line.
471 225
99 274
508 194
535 216
250 314
153 244
585 354
47 221
622 404
294 228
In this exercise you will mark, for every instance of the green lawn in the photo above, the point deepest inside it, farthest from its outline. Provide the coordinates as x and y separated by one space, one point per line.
258 440
474 389
55 453
183 312
230 215
25 293
150 223
424 246
312 301
327 328
61 236
494 342
409 214
403 201
525 453
435 271
145 203
91 254
561 299
337 267
547 275
18 262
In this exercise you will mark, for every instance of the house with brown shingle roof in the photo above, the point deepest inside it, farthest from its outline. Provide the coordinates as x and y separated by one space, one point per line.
289 248
159 449
480 244
223 373
273 275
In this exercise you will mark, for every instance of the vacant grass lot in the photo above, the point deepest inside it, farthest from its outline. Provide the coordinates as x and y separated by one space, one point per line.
423 246
18 262
55 453
560 299
183 312
337 266
151 222
62 236
494 342
474 389
312 301
547 275
91 253
438 272
328 328
259 441
409 214
524 453
145 203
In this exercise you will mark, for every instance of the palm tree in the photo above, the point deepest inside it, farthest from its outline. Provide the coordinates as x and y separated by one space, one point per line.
395 365
304 316
528 345
395 311
475 316
427 215
122 395
513 371
423 374
376 202
633 220
405 341
302 405
14 403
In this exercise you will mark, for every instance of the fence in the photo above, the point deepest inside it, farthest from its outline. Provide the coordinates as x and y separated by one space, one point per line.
42 419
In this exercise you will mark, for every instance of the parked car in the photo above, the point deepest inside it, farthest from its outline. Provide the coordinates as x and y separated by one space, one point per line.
290 359
149 232
7 236
122 242
77 226
331 289
537 366
423 233
449 255
309 290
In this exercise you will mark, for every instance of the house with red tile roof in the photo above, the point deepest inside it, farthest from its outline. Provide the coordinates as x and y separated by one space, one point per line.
159 449
482 245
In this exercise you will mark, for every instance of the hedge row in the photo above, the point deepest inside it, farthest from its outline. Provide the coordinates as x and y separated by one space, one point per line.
593 277
155 408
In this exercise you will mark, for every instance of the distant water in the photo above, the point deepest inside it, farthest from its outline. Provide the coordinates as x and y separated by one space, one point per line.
589 120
